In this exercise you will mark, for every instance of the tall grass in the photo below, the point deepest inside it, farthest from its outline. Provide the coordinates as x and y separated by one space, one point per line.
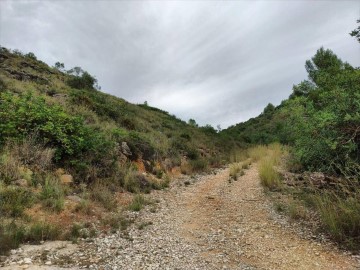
269 158
269 177
238 155
137 203
340 217
13 234
234 169
52 195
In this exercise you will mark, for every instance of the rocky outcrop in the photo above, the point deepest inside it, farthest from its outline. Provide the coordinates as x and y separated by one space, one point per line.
125 149
66 179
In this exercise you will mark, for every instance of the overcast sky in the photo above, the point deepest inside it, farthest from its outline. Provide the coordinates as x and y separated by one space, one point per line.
216 62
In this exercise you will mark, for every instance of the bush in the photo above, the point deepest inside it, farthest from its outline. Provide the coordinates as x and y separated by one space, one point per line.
41 231
199 165
25 114
14 200
11 236
52 195
341 217
28 152
137 203
101 193
83 81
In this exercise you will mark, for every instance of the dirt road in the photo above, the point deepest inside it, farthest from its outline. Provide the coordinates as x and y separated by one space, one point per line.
235 220
201 223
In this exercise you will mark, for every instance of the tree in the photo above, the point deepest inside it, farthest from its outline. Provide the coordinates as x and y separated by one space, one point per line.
302 89
31 55
356 32
59 66
324 67
269 109
192 122
81 79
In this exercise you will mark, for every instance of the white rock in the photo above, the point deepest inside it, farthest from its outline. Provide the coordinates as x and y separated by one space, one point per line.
27 261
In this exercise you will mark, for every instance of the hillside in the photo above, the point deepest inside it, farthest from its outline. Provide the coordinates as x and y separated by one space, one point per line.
61 137
320 119
73 159
320 125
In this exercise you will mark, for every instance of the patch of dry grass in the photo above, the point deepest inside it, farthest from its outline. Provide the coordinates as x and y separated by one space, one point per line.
269 157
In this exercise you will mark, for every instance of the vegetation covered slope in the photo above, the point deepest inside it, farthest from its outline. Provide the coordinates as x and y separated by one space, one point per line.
320 120
61 137
84 126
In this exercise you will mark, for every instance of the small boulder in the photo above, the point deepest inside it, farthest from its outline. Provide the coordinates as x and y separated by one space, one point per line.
125 149
74 198
27 261
66 179
21 182
122 158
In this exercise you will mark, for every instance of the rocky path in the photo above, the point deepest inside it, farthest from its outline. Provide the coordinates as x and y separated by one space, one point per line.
199 223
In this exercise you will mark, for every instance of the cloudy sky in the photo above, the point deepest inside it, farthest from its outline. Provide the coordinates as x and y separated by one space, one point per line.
216 62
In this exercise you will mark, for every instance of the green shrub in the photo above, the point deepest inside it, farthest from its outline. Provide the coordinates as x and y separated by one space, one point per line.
199 165
42 231
83 81
102 194
25 114
137 203
117 222
11 236
14 200
52 195
83 206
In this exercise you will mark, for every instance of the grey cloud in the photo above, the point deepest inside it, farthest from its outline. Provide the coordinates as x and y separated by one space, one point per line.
217 62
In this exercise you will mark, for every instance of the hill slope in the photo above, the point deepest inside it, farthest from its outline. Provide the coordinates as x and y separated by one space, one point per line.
320 119
68 151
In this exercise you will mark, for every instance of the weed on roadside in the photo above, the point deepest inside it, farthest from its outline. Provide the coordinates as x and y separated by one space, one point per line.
138 202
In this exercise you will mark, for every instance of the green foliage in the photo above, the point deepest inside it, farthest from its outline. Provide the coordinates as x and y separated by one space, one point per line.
192 122
52 195
356 32
321 119
341 217
85 81
59 65
14 200
138 202
199 165
41 231
11 236
31 56
80 79
101 193
208 129
325 124
25 114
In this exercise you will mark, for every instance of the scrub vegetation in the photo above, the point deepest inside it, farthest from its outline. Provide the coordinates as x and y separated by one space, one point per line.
67 148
